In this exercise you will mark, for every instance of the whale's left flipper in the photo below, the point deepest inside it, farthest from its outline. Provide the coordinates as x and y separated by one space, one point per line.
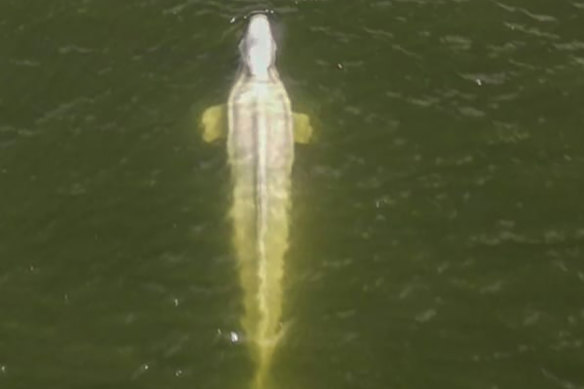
302 128
214 123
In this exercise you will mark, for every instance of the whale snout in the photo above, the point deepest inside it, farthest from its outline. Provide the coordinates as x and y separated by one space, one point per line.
259 27
258 47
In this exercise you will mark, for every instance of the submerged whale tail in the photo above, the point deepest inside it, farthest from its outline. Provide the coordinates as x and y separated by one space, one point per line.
261 268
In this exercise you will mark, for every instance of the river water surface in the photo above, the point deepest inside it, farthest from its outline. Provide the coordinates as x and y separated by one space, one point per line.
437 228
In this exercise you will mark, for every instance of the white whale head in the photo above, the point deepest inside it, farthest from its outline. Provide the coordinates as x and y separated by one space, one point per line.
258 47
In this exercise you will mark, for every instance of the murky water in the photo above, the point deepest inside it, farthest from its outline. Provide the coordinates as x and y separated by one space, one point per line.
437 228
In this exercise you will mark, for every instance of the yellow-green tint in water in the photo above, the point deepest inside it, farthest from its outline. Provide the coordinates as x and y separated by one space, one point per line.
436 230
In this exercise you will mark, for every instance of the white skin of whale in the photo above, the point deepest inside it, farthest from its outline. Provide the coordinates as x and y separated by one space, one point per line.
260 146
261 130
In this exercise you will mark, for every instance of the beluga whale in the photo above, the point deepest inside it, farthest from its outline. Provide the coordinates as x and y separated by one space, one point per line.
261 129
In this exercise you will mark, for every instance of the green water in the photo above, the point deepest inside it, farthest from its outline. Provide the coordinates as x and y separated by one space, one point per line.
437 236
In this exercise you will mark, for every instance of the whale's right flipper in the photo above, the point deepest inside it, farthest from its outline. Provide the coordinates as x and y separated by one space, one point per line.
214 123
302 128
